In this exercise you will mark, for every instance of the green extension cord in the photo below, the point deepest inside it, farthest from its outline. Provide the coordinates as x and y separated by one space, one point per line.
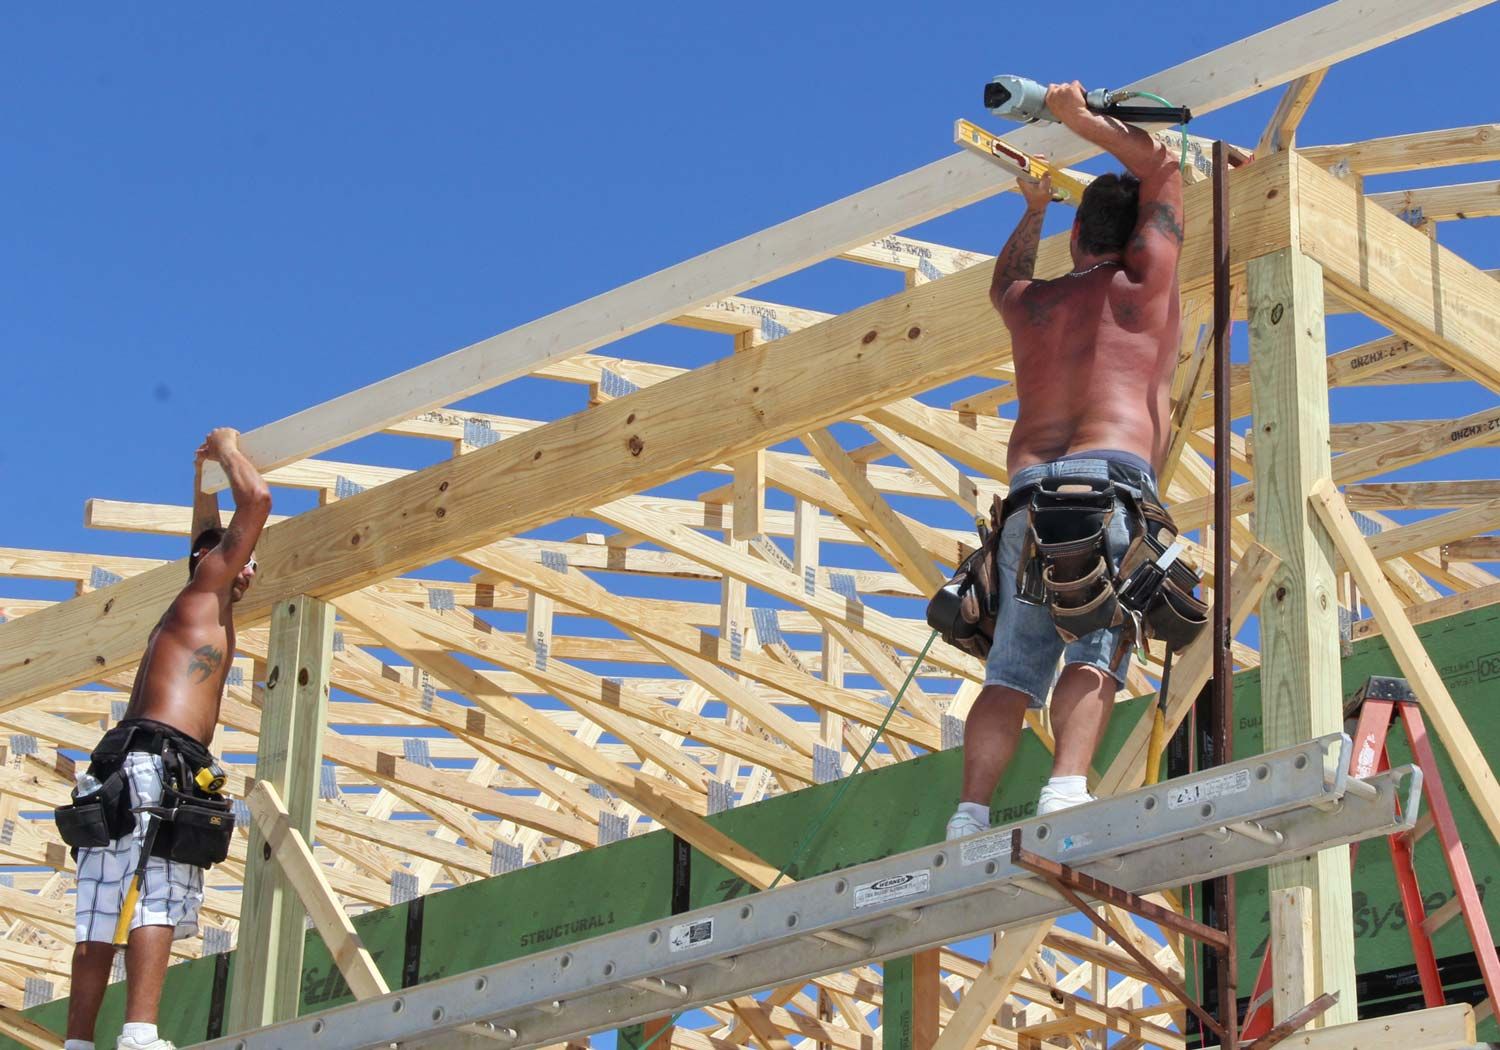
833 803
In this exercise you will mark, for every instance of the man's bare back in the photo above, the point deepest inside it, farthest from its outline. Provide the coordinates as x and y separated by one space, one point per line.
180 681
1094 358
1095 349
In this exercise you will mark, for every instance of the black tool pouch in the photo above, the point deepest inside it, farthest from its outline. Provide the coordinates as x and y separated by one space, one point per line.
1066 558
198 832
98 818
964 609
1163 600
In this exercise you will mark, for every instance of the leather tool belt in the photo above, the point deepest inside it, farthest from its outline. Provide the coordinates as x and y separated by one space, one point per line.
964 609
196 826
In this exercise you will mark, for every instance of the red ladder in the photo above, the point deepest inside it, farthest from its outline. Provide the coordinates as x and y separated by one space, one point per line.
1380 704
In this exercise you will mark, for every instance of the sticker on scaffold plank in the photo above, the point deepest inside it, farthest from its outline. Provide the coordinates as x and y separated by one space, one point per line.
980 848
1204 791
894 888
688 935
1072 842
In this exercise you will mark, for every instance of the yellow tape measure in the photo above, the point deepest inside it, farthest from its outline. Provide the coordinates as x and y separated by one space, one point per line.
1065 187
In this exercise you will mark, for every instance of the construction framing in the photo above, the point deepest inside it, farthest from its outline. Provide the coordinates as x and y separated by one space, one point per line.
525 745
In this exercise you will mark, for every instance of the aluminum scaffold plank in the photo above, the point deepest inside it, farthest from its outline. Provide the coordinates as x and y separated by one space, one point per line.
1226 819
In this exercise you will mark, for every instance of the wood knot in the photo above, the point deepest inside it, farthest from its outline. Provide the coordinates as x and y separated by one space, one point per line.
636 445
913 332
869 337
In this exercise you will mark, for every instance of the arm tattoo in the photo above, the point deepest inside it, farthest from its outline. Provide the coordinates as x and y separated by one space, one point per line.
1017 260
206 661
1162 218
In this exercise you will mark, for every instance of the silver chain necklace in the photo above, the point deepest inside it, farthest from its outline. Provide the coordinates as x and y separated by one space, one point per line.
1091 269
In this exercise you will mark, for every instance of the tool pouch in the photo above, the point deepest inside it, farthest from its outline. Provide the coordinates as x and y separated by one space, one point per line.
964 609
198 832
1065 561
98 818
1163 600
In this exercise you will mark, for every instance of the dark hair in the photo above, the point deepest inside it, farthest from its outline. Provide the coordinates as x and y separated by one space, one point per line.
204 542
1107 213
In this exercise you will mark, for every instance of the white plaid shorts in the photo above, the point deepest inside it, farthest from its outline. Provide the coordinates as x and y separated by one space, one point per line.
172 891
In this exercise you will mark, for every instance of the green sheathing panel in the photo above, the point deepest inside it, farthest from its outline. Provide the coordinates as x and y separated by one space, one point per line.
1466 651
896 1005
884 811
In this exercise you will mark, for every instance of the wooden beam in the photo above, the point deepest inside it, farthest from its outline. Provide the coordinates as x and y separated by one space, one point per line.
1470 200
1399 276
1300 689
1476 144
1437 703
289 850
16 1025
268 975
1281 129
1014 949
1293 983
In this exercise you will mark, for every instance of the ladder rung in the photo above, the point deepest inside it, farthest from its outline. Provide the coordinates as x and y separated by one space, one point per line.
1425 824
1443 916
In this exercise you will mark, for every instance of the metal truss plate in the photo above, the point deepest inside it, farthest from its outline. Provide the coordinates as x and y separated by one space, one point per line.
1292 802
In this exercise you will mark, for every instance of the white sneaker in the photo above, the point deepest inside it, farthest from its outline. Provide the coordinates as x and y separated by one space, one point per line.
123 1043
962 825
1053 801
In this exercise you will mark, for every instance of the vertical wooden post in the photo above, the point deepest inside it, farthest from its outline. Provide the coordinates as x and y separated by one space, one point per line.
1302 696
268 964
909 1016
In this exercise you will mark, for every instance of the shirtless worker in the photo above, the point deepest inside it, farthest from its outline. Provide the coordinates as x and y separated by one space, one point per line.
175 701
1095 350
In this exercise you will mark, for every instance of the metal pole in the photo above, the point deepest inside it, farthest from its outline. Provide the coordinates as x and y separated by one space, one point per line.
1223 703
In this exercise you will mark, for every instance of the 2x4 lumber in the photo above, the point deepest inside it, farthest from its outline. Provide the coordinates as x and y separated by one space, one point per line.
1399 276
1470 200
1437 702
1264 60
1012 953
267 980
403 630
1301 694
289 850
1421 495
1281 130
636 615
891 349
1475 144
16 1025
909 558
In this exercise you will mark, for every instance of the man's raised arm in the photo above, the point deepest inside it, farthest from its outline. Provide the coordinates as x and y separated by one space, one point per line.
252 503
1015 266
1151 255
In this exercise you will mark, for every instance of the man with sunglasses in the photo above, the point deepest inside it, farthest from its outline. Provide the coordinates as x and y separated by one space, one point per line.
174 708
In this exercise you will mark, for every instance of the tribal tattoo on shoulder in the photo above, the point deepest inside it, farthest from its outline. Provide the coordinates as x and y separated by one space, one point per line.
1162 218
206 661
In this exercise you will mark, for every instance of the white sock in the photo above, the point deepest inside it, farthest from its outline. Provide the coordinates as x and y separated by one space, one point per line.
1069 787
79 1044
978 811
139 1032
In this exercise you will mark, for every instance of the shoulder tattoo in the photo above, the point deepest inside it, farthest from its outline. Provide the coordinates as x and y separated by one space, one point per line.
1164 219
